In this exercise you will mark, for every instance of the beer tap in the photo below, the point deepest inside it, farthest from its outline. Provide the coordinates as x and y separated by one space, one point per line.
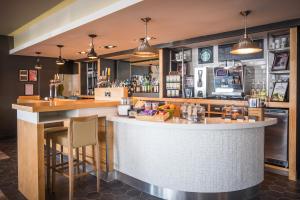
53 86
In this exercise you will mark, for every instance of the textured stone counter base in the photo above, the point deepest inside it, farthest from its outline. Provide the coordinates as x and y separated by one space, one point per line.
190 159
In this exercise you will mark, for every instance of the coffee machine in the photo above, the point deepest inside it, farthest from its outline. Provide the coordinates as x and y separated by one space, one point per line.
200 82
229 81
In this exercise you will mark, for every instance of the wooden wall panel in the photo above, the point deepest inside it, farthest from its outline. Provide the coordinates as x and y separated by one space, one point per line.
31 181
293 105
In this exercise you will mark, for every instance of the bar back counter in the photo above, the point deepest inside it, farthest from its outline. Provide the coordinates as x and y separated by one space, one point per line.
172 160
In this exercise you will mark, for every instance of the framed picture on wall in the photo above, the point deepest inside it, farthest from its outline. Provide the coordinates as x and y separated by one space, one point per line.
280 91
281 61
205 55
23 75
28 89
33 75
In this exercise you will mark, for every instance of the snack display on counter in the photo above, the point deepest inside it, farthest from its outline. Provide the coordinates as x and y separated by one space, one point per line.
153 112
157 111
139 104
148 112
192 112
234 113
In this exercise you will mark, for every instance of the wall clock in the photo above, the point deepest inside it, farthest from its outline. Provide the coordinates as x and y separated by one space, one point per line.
205 55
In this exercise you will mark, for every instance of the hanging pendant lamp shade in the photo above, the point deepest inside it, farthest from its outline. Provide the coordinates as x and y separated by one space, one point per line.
245 45
38 65
92 53
144 49
60 60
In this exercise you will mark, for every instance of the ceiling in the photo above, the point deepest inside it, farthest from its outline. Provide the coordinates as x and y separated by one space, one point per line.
171 21
130 58
16 13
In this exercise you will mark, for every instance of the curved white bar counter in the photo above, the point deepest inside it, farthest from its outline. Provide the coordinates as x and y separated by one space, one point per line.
181 160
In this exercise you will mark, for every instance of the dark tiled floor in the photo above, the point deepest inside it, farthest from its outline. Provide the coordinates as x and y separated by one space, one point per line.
275 187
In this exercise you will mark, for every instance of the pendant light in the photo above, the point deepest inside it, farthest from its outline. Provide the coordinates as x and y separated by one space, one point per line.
245 45
38 65
144 49
60 60
92 53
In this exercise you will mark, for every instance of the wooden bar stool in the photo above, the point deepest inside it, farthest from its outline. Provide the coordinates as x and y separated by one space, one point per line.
82 132
49 131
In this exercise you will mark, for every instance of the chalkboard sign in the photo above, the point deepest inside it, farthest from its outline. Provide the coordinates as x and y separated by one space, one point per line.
224 52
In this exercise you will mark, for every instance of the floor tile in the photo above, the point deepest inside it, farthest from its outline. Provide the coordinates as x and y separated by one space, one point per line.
274 187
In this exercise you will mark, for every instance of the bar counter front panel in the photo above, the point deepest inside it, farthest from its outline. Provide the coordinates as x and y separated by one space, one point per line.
173 157
182 160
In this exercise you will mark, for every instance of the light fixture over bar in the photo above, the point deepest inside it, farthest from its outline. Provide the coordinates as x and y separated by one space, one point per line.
38 64
92 53
60 60
144 49
245 45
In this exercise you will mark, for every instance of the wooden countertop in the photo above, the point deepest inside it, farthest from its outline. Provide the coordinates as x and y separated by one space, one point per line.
67 104
61 104
213 101
87 96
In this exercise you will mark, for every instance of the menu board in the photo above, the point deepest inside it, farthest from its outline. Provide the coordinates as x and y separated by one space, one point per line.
224 52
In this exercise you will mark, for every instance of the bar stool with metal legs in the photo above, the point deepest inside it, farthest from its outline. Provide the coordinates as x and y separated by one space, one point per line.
83 131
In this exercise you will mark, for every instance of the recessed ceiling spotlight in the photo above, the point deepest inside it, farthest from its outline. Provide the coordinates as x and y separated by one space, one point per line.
82 52
109 46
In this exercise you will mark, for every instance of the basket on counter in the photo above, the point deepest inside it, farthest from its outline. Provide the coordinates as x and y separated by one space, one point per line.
154 118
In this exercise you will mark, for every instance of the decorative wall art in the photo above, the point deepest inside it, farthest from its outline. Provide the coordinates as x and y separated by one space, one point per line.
23 75
32 75
280 61
28 89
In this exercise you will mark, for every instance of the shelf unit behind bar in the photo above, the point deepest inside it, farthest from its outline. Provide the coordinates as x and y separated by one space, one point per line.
291 105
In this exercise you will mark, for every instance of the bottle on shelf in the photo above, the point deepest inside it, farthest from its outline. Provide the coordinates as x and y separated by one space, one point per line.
144 84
